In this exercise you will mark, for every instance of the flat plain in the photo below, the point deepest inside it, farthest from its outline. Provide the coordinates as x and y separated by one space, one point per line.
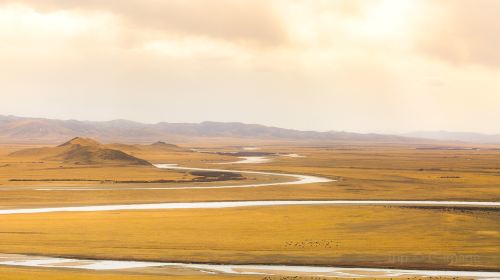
451 238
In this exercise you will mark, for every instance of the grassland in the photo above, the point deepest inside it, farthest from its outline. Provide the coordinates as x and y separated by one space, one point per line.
435 238
319 235
18 273
392 172
378 172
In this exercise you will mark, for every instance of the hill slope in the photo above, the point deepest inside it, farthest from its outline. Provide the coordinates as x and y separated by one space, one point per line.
81 151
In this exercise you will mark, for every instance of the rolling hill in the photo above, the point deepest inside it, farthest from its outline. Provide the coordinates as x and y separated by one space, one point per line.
81 151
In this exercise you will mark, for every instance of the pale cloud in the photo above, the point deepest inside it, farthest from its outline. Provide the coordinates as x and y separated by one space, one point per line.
462 32
254 23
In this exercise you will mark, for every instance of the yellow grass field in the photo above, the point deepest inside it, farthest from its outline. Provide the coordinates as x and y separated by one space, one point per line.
378 172
16 273
315 235
366 236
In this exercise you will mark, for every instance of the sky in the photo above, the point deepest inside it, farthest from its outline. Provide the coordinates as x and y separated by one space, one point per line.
389 66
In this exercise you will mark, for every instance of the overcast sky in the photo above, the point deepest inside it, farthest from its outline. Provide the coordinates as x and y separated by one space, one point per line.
367 66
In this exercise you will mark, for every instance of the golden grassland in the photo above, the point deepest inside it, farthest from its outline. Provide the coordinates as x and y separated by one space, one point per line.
363 172
317 235
20 273
54 174
320 235
34 170
399 172
17 273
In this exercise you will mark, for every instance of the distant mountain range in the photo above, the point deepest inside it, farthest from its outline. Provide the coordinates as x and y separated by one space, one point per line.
40 130
456 136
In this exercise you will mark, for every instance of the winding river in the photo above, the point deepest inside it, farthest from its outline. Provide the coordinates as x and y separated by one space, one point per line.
292 179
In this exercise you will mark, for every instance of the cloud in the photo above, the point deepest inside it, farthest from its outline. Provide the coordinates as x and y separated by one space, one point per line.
255 24
461 32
